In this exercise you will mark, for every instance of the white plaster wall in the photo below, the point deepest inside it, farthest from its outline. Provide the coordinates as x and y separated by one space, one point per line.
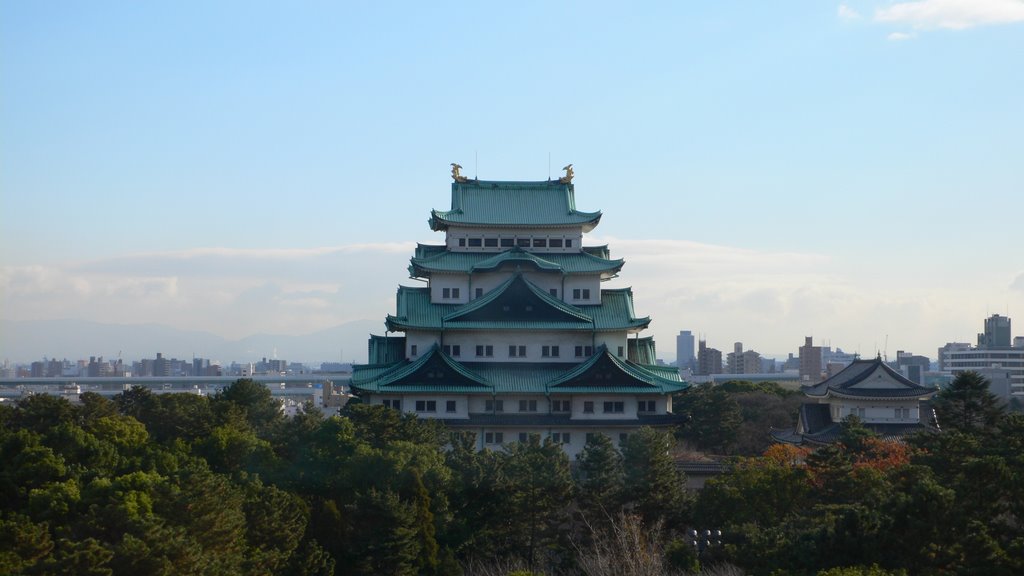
614 340
591 282
880 411
454 233
438 282
534 342
422 340
599 413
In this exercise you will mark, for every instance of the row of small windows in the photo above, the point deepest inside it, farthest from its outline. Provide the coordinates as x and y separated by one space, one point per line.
513 242
556 437
421 405
514 351
456 293
564 406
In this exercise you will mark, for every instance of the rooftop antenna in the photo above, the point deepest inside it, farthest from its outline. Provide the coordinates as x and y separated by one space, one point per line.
549 166
476 165
885 351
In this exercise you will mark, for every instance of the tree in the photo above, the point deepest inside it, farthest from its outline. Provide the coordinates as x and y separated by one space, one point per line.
537 484
653 486
714 415
260 407
600 479
967 405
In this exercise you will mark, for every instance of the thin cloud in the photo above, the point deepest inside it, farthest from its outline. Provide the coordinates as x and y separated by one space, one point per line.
952 14
899 36
1018 283
847 13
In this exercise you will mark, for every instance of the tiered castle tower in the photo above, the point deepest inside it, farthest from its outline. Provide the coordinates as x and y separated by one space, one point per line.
512 334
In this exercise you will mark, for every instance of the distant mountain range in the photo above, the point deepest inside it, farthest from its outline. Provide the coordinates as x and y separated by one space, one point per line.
27 341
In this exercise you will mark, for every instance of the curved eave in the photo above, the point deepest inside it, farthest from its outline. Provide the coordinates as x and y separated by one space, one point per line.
442 220
872 395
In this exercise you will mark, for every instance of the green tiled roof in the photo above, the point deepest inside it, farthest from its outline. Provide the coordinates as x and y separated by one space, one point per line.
470 262
429 250
518 204
514 377
415 311
385 349
641 350
430 370
599 251
603 370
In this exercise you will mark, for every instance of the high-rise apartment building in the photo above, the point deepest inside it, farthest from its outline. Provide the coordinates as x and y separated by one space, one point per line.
684 351
810 361
742 362
997 332
709 360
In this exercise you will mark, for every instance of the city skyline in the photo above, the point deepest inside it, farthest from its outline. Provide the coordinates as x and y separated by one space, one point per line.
845 171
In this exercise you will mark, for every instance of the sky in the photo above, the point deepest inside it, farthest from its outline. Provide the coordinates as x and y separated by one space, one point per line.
768 170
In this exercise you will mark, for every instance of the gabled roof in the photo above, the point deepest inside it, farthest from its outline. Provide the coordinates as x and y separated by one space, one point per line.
518 204
603 370
868 379
415 311
518 300
432 370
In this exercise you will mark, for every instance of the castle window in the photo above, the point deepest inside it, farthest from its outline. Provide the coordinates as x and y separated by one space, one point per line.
494 405
494 437
540 242
484 351
645 406
516 351
412 350
394 403
491 242
527 405
588 407
568 242
474 242
614 407
523 242
455 292
549 351
462 242
426 406
560 437
561 406
479 292
507 242
450 406
555 243
554 292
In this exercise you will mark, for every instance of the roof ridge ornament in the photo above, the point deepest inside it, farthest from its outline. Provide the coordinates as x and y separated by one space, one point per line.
567 179
456 175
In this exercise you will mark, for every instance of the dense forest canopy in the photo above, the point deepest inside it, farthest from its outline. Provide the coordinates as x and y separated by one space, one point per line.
181 484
